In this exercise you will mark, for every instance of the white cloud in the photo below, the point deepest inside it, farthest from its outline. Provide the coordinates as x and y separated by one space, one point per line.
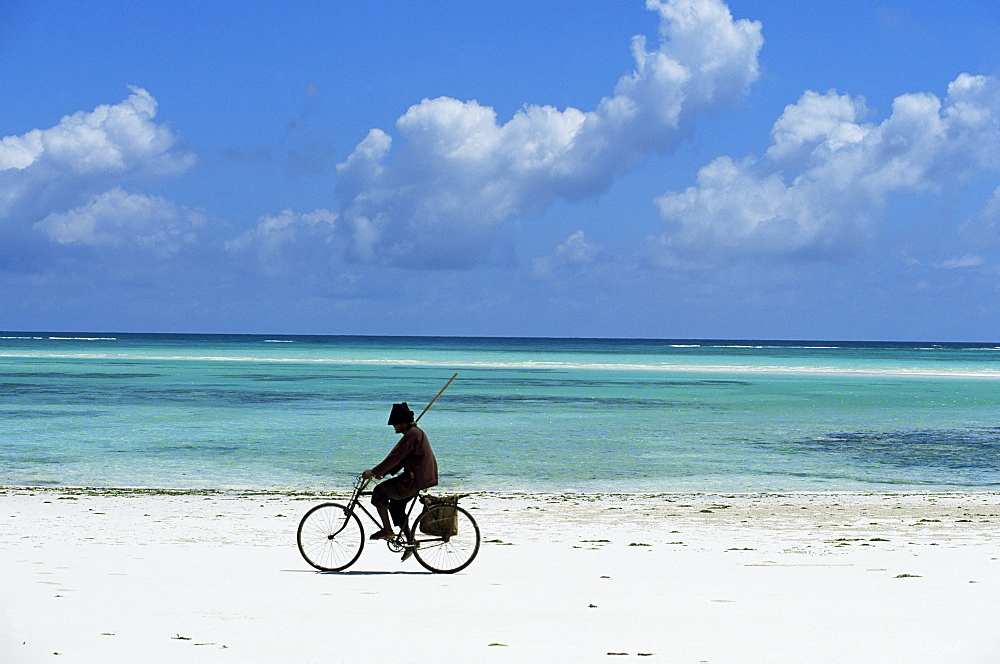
572 256
111 138
826 176
578 250
117 218
969 260
458 173
983 228
87 152
287 241
817 126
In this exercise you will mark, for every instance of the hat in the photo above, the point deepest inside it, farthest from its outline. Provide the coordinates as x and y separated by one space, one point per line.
401 414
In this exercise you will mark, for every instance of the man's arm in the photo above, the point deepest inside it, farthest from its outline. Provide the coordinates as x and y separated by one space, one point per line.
394 461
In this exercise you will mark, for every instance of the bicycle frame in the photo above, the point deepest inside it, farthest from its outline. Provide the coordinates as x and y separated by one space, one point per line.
359 490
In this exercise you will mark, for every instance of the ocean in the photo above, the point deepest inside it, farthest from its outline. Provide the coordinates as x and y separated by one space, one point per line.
623 415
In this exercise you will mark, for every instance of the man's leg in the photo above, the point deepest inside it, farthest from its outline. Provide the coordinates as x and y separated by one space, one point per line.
381 502
397 489
383 513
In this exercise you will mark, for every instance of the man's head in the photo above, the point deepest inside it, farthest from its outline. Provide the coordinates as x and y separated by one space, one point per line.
400 417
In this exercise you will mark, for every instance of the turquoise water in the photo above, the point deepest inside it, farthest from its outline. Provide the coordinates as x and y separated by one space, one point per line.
197 411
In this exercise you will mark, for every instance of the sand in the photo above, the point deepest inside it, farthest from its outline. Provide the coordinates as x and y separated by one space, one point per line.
97 575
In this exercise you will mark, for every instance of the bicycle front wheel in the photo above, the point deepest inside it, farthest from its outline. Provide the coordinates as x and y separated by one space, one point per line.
330 538
449 549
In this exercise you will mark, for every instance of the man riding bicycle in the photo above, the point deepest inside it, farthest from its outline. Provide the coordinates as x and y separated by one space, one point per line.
413 455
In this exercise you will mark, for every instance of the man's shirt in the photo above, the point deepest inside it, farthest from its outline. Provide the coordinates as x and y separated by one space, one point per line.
414 456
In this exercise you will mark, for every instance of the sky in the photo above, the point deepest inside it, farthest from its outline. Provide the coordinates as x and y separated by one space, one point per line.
677 169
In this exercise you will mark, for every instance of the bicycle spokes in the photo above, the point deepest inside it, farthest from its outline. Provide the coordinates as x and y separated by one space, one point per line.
330 537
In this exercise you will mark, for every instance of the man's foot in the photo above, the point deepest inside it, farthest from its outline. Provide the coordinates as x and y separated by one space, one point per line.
382 535
407 554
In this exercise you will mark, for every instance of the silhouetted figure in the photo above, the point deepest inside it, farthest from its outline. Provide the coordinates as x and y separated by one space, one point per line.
414 456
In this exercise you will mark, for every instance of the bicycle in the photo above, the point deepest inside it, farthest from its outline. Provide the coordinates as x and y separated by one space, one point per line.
443 537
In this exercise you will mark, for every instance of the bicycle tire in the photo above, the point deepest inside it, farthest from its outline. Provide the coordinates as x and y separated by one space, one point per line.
329 538
447 555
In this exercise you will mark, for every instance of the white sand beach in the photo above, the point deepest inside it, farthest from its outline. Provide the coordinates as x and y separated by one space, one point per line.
97 575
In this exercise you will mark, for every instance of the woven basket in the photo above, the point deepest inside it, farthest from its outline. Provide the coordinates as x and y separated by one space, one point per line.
443 521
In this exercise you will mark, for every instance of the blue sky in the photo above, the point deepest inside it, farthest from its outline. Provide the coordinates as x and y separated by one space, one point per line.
670 169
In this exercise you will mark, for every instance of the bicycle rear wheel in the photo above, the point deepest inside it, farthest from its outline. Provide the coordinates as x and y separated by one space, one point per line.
330 539
454 549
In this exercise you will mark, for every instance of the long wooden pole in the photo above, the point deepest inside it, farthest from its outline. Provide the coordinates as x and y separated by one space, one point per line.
436 397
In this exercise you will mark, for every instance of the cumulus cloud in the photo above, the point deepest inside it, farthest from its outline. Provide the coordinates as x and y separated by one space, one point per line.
458 173
61 168
111 138
116 218
571 257
823 182
282 242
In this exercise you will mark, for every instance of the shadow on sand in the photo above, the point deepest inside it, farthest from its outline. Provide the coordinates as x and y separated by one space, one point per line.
359 572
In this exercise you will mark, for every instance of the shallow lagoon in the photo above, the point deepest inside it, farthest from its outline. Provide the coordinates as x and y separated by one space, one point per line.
524 414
